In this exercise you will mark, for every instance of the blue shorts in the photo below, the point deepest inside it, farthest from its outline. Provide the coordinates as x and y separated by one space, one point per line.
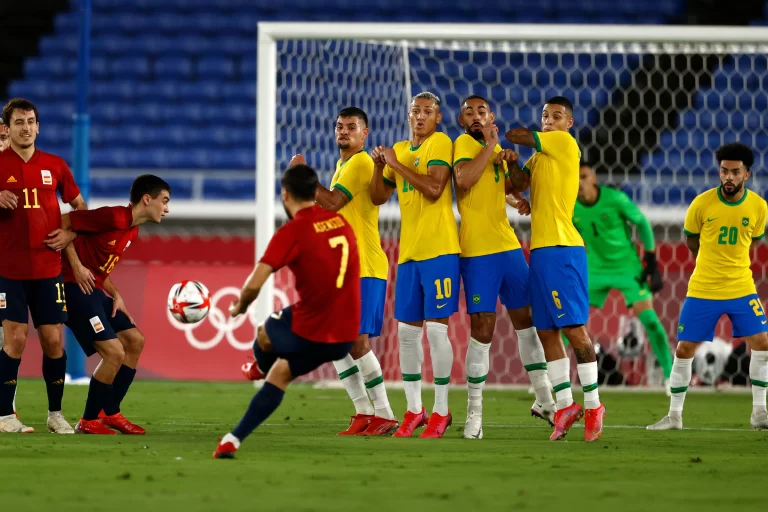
44 299
699 317
373 292
559 296
485 278
303 355
427 289
90 318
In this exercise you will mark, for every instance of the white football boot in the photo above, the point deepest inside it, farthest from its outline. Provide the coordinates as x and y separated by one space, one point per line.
759 419
57 424
11 423
668 423
473 427
544 412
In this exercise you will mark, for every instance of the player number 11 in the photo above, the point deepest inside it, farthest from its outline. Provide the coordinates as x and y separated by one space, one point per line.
36 204
341 241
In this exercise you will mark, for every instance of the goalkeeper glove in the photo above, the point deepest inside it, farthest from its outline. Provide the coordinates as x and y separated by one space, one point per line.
651 270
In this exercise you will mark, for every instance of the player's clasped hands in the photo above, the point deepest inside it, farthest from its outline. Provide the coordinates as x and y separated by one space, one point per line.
384 155
507 155
8 200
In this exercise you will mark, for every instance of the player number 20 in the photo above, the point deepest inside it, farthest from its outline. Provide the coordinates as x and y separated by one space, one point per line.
756 307
110 264
731 234
445 291
341 241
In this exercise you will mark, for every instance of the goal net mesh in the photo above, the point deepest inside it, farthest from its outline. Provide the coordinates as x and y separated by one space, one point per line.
648 117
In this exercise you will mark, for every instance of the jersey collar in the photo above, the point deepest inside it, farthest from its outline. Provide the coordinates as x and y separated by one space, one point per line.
722 199
341 163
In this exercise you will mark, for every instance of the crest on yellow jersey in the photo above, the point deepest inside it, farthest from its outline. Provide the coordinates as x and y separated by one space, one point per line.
745 221
416 162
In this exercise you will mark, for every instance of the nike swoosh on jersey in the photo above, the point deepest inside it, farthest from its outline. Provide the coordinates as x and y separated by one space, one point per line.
710 220
561 315
439 306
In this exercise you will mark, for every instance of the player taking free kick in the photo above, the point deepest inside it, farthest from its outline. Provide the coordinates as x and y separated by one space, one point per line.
722 225
558 278
350 196
100 322
319 248
428 268
30 272
492 263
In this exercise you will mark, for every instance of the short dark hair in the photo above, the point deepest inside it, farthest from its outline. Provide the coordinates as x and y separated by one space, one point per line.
561 100
18 104
354 112
426 95
300 181
148 184
476 97
737 152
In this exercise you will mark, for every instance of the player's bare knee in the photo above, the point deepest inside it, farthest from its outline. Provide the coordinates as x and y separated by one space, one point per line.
577 336
361 347
15 340
51 341
686 349
758 341
133 343
521 318
482 326
280 374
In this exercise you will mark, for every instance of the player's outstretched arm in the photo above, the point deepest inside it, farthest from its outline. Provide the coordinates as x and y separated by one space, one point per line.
117 300
83 276
333 200
78 203
380 190
467 172
60 238
631 213
522 136
251 289
518 179
431 185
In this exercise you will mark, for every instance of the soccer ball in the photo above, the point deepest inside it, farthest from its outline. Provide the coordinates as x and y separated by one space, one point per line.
710 360
189 301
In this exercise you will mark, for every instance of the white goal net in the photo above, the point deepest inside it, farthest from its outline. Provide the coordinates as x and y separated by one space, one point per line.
651 105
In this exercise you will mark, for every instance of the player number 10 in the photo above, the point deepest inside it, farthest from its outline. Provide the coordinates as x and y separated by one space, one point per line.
446 290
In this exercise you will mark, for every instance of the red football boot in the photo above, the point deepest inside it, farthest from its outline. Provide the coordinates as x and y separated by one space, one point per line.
564 419
380 427
593 423
251 371
411 422
224 450
93 427
437 426
120 423
357 424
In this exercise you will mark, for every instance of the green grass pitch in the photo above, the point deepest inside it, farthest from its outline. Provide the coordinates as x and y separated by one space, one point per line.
296 462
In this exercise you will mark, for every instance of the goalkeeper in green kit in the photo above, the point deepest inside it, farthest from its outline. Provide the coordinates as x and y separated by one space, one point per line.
602 215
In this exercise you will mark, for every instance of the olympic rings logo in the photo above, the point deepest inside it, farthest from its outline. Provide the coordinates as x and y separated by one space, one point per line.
225 325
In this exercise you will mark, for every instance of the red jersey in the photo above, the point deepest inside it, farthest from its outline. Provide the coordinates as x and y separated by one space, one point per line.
319 247
102 236
26 227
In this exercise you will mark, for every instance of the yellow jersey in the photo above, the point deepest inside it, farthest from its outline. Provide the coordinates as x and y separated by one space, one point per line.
485 227
725 231
353 177
554 171
427 228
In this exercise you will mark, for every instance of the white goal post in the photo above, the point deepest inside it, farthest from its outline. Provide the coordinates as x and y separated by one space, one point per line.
431 56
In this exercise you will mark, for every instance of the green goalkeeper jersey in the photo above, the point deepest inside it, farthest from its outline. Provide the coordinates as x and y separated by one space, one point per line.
605 228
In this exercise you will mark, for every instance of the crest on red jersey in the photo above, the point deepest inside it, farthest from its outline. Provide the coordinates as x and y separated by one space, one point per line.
47 178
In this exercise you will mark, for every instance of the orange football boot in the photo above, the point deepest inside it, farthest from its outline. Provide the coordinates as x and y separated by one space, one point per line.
224 451
411 422
437 426
251 371
593 423
121 423
357 424
564 419
93 427
380 427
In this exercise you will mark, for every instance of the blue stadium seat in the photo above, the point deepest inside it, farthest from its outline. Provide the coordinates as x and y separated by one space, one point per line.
173 67
226 189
